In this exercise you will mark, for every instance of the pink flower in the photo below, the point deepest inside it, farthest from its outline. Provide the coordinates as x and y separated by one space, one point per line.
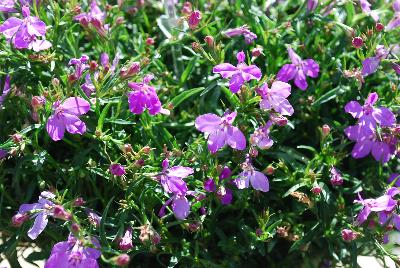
336 178
298 70
94 17
395 22
220 131
249 36
194 19
366 8
24 33
117 170
80 66
125 242
209 185
348 235
143 96
276 98
171 178
250 176
65 117
261 138
239 74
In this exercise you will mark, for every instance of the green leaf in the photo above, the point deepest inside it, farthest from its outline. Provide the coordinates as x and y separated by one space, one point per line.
305 239
188 70
102 224
177 100
103 114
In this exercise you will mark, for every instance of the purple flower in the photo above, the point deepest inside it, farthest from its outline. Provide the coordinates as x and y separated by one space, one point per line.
261 138
249 36
3 153
180 206
336 178
125 242
80 66
239 74
366 8
65 117
224 195
385 203
249 175
276 98
7 6
88 86
220 131
225 173
395 22
194 19
312 5
209 185
382 147
298 70
40 211
75 253
172 178
349 235
371 64
368 116
24 33
117 170
143 96
6 90
93 217
94 17
394 176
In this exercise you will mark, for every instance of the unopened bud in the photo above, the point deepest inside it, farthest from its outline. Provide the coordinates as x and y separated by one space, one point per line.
379 27
196 46
357 42
257 51
209 40
17 138
55 82
37 102
75 228
79 202
325 130
122 260
316 190
18 219
150 41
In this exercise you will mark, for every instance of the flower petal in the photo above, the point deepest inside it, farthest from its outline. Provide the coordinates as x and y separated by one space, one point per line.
207 123
180 207
310 68
259 181
362 148
76 106
74 125
235 138
226 70
370 65
354 108
216 140
55 127
236 82
287 73
300 80
180 172
38 226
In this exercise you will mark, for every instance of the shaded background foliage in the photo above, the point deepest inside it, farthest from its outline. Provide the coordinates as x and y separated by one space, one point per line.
78 165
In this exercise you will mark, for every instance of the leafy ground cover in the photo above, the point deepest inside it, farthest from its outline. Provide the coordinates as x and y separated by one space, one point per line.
199 134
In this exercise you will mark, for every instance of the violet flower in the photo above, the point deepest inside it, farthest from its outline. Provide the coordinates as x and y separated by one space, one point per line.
336 177
88 86
368 116
24 33
3 153
298 70
261 138
381 146
395 22
94 17
93 217
125 242
385 203
348 235
224 195
65 117
225 173
249 36
143 96
209 185
171 178
75 253
371 64
276 98
312 5
250 176
394 176
366 8
220 131
117 170
7 6
180 206
6 90
80 66
40 211
194 19
239 74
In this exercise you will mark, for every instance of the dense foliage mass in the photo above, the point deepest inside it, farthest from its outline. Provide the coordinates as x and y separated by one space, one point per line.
206 134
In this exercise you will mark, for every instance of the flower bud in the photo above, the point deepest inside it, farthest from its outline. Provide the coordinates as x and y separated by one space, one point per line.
119 21
55 82
37 102
348 235
60 213
150 41
125 242
257 51
18 219
357 42
132 70
325 130
194 227
379 27
253 152
209 40
122 260
187 8
316 190
75 228
93 66
127 148
196 46
259 232
336 178
79 202
17 138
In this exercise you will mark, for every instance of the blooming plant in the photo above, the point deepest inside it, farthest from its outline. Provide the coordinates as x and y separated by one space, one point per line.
172 133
